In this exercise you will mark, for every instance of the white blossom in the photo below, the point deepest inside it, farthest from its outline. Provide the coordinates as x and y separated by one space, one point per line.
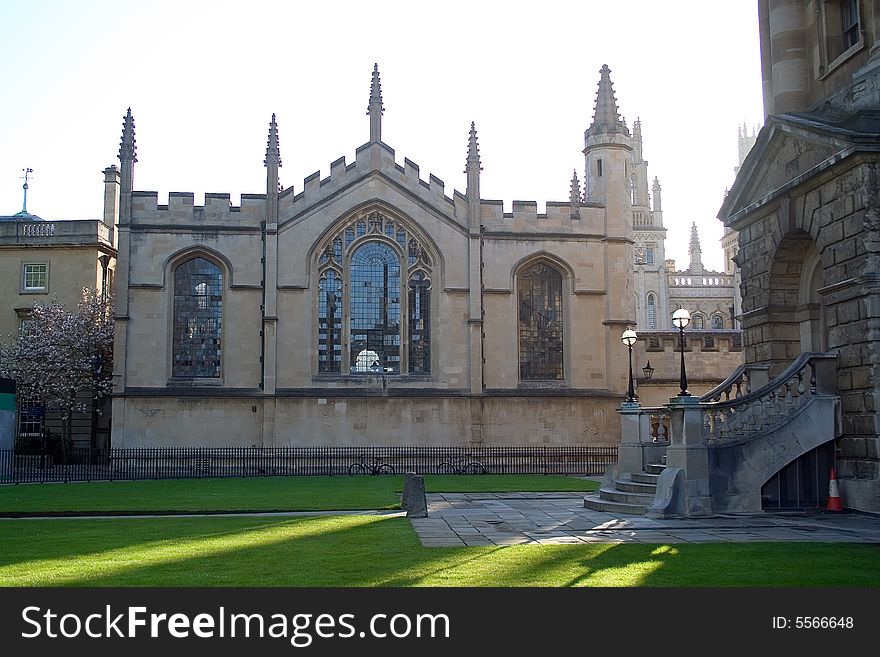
61 355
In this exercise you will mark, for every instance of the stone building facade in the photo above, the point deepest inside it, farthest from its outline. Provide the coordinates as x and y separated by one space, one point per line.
46 260
372 307
660 288
806 207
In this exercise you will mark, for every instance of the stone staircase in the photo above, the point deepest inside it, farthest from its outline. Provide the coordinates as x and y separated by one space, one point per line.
630 494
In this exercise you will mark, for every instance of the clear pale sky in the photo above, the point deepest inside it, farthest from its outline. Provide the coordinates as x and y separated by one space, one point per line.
203 78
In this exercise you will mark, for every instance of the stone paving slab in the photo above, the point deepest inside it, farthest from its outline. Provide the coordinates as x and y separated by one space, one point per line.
459 519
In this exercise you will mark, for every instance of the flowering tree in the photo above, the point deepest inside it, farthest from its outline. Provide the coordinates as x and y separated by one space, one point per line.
63 357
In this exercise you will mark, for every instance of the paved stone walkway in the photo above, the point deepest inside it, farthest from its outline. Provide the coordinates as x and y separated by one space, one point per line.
456 519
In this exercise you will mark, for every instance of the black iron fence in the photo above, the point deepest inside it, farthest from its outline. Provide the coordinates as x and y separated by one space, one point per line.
202 462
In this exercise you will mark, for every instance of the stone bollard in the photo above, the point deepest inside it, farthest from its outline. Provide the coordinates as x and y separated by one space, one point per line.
413 499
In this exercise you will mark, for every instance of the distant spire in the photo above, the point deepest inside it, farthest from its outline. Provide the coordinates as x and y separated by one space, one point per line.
473 156
26 170
128 146
375 108
695 238
695 251
273 153
605 117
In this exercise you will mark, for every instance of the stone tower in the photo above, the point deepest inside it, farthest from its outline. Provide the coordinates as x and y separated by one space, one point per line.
608 152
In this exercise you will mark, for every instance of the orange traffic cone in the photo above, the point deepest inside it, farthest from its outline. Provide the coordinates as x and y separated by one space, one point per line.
834 503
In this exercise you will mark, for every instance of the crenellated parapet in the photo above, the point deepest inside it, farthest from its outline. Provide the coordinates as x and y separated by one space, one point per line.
371 159
560 217
181 210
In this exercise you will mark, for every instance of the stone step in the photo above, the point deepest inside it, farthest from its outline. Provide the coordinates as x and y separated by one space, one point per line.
644 478
655 468
630 486
612 495
597 504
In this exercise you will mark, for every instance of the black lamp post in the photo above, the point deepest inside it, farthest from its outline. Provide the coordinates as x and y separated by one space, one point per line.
629 339
648 371
680 319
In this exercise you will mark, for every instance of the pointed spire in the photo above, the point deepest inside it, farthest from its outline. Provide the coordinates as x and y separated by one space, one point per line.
128 146
375 108
473 156
605 117
273 152
695 251
658 206
695 238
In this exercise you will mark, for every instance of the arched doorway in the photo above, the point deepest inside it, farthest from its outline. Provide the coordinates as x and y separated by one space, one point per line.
794 320
811 312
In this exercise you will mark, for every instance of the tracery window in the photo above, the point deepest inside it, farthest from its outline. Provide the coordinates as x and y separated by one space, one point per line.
717 322
652 311
374 292
198 299
539 291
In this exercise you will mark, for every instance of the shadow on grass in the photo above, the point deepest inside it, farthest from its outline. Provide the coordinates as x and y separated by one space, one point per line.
377 551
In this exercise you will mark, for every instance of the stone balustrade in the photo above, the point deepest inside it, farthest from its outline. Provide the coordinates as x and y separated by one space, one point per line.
746 416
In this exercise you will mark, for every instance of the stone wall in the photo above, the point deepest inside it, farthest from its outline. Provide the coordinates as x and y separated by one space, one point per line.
249 419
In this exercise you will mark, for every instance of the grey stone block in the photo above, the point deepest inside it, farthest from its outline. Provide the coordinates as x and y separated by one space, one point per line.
414 500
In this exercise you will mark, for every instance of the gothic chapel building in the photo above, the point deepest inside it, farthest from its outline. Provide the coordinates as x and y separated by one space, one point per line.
370 307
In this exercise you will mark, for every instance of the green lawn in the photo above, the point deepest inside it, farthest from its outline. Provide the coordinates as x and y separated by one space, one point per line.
260 494
383 551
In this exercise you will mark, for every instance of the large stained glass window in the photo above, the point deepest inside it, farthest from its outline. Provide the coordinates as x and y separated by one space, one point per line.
198 298
374 292
374 309
539 290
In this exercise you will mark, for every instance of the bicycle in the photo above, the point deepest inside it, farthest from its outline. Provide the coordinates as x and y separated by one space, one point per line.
362 467
461 465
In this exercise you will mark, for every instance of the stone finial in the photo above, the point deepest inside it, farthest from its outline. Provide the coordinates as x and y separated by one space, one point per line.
273 152
575 188
605 117
128 146
658 206
375 108
473 156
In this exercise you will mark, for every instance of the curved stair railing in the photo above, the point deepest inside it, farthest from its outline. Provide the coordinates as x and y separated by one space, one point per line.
741 382
744 417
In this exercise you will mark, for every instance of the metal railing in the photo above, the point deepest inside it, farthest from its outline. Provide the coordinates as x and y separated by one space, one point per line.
202 462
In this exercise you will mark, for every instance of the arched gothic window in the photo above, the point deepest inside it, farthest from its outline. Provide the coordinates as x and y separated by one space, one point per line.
539 291
717 322
698 323
374 291
652 311
198 305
